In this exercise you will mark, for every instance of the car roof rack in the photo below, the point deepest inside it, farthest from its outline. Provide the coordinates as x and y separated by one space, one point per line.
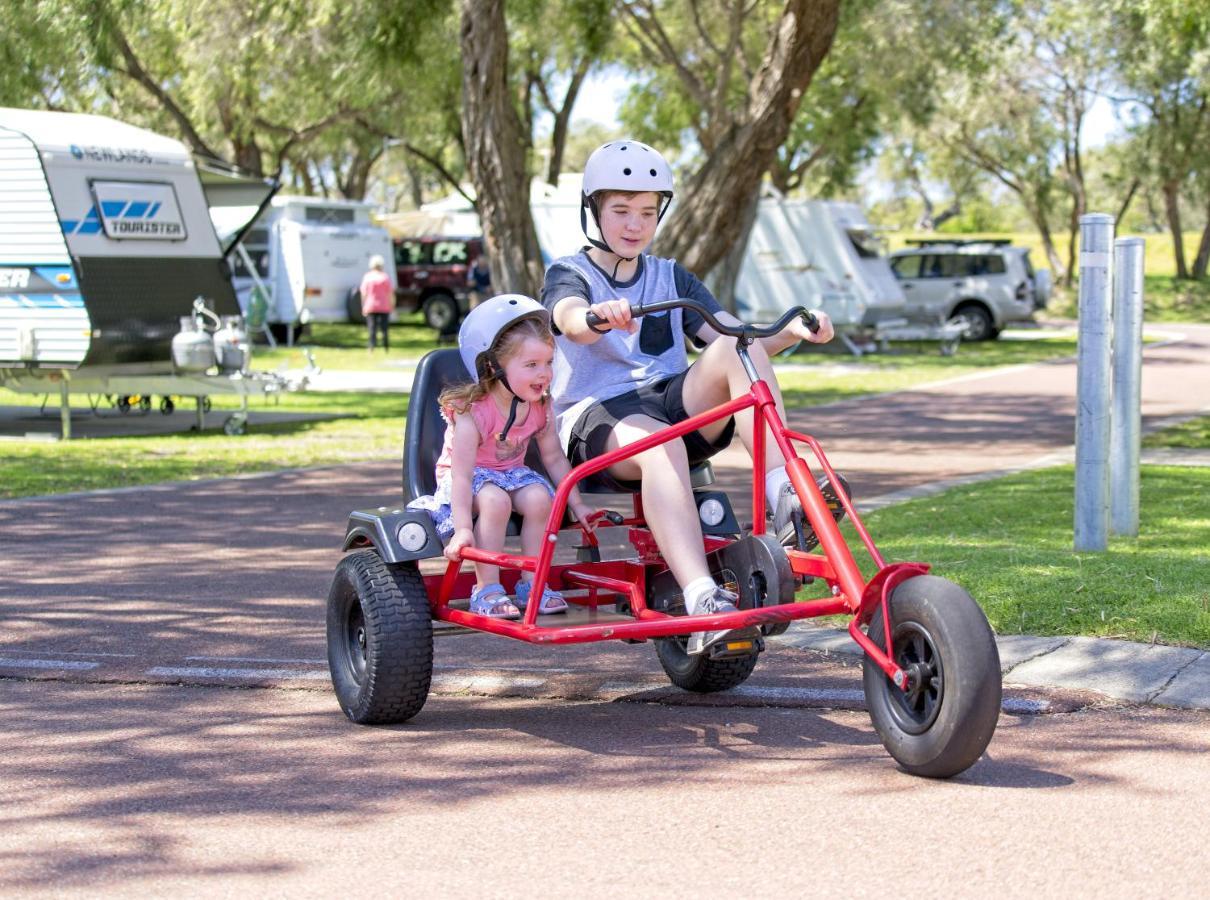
958 242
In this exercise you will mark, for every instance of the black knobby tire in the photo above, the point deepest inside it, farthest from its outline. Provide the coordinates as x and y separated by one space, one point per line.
944 723
380 639
441 314
697 673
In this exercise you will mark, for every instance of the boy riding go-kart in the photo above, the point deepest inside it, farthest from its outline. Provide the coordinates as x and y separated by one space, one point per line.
705 591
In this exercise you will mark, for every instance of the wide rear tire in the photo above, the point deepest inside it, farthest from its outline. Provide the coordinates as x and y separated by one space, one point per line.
696 673
380 639
944 723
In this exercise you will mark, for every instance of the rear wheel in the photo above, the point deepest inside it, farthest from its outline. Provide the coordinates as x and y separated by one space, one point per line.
380 639
942 724
697 673
441 314
977 321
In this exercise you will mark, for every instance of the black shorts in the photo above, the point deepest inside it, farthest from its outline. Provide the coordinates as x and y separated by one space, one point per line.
661 401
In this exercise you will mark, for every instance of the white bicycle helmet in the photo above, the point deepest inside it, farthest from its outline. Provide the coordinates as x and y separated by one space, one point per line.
623 166
483 325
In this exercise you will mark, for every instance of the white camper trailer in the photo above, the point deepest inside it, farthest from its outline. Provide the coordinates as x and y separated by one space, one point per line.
309 254
819 254
105 245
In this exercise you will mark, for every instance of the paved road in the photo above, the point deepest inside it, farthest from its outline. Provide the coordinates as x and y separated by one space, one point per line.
122 613
136 790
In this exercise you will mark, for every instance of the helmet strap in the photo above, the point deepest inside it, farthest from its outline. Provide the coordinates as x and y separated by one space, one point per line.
496 370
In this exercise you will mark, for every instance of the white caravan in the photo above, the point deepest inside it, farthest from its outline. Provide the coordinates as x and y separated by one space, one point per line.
820 254
106 244
309 255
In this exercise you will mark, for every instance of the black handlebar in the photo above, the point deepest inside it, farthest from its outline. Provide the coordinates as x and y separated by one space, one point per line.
746 332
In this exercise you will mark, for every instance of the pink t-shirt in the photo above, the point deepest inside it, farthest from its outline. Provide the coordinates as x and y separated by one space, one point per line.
376 293
489 420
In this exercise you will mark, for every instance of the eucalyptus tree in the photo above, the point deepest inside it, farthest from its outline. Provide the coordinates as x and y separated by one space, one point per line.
1162 63
727 76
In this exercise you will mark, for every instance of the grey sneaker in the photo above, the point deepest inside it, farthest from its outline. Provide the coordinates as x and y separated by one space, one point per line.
790 525
721 601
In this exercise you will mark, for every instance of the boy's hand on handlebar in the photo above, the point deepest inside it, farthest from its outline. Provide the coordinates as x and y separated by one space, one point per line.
463 537
822 335
615 314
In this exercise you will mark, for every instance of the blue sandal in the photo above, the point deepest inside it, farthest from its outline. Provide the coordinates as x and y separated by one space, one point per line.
552 601
492 600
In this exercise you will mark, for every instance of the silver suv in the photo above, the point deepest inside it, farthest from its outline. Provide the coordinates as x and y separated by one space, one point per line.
983 284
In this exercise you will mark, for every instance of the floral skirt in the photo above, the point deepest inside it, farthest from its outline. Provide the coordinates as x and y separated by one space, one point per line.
437 505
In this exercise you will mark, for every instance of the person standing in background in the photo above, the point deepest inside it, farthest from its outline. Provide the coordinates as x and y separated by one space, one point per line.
479 280
377 302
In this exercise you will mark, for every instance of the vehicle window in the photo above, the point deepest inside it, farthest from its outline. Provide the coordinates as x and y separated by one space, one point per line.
993 265
938 265
906 266
867 244
326 216
446 252
412 253
260 259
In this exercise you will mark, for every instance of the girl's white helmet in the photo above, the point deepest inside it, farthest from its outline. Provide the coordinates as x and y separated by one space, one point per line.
484 324
623 166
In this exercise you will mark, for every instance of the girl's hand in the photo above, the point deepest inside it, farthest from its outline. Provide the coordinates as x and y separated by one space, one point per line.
800 330
586 516
463 537
616 314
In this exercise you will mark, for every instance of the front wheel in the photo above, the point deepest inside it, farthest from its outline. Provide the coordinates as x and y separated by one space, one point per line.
942 724
380 639
441 314
699 674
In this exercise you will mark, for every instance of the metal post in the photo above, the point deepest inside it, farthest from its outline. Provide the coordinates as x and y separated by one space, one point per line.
65 406
1093 385
1125 428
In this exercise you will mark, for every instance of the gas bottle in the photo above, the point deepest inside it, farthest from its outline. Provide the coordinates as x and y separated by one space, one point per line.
231 346
192 347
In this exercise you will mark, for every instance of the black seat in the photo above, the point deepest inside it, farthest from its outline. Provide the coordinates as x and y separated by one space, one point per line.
425 432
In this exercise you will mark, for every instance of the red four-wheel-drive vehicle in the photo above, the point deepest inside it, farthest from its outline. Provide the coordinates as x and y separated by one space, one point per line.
431 274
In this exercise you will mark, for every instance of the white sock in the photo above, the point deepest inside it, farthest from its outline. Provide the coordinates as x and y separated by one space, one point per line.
774 481
696 591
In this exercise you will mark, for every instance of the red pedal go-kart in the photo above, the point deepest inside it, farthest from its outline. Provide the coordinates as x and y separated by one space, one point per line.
933 694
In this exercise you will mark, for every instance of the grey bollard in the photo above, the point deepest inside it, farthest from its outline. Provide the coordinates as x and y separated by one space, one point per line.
1093 385
1125 429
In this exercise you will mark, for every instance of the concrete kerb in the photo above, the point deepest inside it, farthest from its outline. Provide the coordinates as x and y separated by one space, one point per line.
1122 670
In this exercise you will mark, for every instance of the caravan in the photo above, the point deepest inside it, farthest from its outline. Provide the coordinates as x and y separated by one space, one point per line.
308 256
106 247
822 254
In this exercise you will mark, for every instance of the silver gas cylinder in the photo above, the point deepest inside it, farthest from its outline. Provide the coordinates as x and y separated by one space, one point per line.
192 347
231 346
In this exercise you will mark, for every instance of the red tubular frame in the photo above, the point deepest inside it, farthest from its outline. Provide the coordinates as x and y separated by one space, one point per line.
627 578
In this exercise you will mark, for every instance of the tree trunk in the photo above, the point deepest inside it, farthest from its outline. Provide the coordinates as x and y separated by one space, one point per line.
1125 207
726 274
558 139
495 150
1171 191
708 217
1202 260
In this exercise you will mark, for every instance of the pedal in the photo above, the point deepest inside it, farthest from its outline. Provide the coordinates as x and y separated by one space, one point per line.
735 648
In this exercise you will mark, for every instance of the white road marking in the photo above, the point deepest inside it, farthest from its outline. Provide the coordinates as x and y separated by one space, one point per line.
256 659
208 672
47 663
485 682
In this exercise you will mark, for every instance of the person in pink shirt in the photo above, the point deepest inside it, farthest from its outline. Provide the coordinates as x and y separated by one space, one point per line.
377 302
482 477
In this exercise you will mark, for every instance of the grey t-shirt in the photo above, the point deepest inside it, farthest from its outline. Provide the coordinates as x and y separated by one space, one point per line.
619 362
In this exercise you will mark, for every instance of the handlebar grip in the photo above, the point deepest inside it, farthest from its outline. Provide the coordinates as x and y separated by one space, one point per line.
811 322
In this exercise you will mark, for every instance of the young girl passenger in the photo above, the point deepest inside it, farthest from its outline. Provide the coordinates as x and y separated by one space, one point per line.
482 478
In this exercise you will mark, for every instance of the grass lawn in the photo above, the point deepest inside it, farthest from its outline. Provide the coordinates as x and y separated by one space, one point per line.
1009 543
